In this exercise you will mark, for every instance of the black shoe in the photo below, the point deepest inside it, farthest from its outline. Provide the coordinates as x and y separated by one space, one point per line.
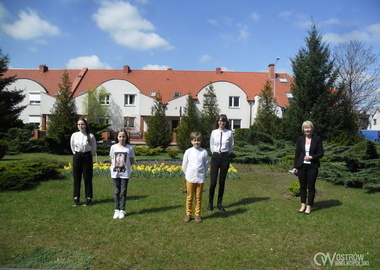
221 208
210 207
88 202
76 202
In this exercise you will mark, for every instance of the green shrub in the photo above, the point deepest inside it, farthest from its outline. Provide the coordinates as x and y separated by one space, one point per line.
173 153
294 188
3 148
21 176
146 151
365 150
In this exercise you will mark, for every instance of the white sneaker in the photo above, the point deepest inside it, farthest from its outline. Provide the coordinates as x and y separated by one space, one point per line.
116 215
122 214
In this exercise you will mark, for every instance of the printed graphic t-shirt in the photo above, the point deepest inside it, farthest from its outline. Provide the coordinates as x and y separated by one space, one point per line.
120 161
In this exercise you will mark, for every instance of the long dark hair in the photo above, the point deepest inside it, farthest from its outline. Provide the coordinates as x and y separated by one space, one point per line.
88 130
126 134
224 118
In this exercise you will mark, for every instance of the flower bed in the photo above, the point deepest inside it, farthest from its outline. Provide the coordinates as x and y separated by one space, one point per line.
149 169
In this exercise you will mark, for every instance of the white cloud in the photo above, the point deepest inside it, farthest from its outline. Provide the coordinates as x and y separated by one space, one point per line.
285 15
225 69
370 33
243 34
335 21
213 22
91 62
30 26
227 20
374 31
125 25
3 12
255 17
155 67
205 58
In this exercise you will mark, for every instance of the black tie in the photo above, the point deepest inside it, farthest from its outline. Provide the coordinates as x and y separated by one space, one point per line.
220 145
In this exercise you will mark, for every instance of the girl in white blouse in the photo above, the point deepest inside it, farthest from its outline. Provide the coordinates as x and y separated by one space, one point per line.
221 146
83 146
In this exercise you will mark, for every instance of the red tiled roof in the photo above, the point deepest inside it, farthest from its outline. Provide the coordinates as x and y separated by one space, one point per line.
165 82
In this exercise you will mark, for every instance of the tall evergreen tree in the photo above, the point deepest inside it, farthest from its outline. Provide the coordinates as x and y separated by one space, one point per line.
159 131
9 100
95 111
210 112
267 120
63 118
314 96
189 123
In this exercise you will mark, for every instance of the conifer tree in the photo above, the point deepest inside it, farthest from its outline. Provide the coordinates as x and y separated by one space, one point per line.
267 120
314 96
9 100
63 118
210 112
189 123
95 111
159 131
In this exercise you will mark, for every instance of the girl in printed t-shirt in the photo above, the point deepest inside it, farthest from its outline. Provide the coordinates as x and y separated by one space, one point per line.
122 157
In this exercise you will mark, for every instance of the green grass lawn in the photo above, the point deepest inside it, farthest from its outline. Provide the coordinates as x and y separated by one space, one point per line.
260 230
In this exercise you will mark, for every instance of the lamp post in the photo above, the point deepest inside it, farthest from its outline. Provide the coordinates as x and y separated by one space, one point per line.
274 73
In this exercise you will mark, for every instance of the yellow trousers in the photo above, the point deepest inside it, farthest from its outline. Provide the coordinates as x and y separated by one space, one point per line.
194 190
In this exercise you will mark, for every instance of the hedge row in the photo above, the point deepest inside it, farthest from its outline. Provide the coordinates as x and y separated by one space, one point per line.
25 175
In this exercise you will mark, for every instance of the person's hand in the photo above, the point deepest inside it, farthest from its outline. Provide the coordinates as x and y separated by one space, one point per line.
295 171
308 158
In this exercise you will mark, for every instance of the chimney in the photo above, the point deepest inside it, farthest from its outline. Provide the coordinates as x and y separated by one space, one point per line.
218 70
127 69
271 71
170 69
43 68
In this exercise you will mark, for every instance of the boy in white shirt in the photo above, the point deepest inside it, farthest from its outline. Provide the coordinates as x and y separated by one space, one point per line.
195 165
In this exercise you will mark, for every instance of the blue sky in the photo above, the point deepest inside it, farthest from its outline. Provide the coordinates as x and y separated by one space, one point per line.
241 35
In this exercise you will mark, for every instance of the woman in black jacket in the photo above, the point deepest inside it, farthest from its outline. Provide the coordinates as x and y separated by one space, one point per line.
309 150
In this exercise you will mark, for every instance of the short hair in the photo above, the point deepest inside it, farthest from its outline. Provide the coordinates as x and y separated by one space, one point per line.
307 124
195 135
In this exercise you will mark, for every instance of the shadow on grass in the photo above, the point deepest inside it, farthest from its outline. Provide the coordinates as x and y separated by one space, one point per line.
251 200
156 209
226 214
129 198
326 204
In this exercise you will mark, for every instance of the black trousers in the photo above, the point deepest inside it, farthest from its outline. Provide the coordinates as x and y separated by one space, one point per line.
82 165
220 162
307 176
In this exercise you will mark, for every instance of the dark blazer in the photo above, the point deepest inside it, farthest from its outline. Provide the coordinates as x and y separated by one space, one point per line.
316 151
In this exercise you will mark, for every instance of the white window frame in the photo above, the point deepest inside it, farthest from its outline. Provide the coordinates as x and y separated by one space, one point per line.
35 98
127 100
232 123
104 99
232 102
129 122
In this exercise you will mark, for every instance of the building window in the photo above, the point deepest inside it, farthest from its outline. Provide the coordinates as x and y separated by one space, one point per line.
129 122
105 120
34 98
235 123
234 102
283 80
104 99
129 100
177 94
35 119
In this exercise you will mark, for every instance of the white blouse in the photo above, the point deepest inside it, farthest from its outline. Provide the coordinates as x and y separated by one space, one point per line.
221 141
307 150
79 143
